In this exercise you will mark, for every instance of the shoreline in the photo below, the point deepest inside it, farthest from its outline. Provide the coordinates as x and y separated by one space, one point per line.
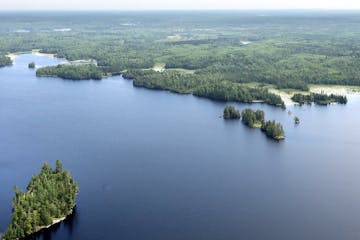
54 222
37 52
286 94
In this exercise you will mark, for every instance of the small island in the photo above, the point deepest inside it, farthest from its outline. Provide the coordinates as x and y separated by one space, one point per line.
320 99
231 113
72 71
256 119
296 120
31 65
49 199
273 130
253 119
5 61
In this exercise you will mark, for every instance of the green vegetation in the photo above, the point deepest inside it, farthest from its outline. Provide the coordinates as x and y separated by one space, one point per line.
5 61
273 130
231 113
256 119
286 49
253 119
296 120
31 65
321 99
74 72
49 196
203 86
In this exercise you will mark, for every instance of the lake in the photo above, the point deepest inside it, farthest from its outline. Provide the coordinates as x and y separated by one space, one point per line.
157 165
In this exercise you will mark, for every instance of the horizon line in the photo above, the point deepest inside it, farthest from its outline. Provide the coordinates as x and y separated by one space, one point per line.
184 9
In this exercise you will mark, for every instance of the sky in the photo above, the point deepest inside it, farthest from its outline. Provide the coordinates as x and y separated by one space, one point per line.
175 4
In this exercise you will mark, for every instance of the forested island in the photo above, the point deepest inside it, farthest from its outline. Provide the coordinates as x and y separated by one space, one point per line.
73 72
231 113
5 61
273 130
31 65
49 198
321 99
256 119
253 119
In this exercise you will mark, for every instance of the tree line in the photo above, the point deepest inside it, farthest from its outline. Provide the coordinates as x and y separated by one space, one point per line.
5 61
72 71
213 87
321 99
256 119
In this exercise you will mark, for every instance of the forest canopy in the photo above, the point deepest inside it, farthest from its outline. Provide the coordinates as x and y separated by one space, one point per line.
49 195
5 61
321 99
213 59
74 72
230 112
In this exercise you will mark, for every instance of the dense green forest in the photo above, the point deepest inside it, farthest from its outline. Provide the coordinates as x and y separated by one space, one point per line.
253 119
231 113
50 195
256 119
321 99
210 86
273 130
206 53
74 72
31 65
5 61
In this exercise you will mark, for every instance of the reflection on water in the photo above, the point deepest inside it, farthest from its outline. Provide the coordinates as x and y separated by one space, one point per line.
66 227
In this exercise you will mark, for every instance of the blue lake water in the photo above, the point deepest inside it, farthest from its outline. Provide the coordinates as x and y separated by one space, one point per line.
157 165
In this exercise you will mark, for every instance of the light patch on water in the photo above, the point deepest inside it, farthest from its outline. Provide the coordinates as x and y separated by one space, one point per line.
22 31
62 29
245 42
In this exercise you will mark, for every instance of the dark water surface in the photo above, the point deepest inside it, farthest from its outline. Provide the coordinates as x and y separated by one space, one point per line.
156 165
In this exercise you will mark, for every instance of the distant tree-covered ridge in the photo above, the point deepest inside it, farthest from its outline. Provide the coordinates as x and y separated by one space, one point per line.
72 71
231 113
278 49
322 99
49 196
5 61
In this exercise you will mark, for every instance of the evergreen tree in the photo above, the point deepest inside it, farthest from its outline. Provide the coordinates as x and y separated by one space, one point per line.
50 194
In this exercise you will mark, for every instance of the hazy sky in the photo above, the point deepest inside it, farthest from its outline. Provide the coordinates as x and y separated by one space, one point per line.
175 4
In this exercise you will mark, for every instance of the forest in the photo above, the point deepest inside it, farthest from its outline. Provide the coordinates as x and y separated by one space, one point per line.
231 113
273 130
253 119
210 54
256 119
202 86
321 99
49 195
73 72
5 61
